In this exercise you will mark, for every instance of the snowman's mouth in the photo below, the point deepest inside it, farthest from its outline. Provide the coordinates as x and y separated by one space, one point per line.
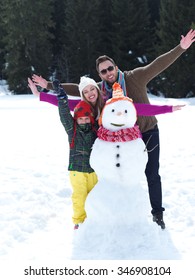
116 124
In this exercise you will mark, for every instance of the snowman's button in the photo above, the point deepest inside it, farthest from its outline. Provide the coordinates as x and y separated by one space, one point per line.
118 165
117 155
118 146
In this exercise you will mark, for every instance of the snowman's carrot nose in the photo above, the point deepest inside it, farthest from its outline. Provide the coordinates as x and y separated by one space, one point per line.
119 113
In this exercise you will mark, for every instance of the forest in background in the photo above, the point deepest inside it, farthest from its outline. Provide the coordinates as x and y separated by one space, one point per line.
62 39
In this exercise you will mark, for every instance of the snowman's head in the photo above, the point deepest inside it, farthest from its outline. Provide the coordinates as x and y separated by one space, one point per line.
119 112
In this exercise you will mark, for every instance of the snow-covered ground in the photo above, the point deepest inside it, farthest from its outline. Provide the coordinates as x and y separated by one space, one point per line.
35 200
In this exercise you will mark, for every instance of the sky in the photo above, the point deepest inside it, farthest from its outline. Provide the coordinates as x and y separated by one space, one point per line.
35 201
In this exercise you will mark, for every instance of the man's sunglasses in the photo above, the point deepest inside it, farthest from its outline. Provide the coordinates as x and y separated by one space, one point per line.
104 71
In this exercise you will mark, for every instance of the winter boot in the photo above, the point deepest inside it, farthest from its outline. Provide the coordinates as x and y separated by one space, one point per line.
158 218
76 226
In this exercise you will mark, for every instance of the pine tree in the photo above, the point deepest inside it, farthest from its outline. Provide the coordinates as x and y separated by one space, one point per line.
2 47
59 65
176 18
105 41
154 6
79 35
133 35
84 30
27 40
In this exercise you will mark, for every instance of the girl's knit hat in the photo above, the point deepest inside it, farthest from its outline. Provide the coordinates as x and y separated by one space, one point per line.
85 81
83 109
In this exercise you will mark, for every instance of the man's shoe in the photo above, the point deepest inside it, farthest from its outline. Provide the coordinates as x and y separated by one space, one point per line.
158 218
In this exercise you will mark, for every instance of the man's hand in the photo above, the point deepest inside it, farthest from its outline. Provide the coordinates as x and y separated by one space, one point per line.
33 87
186 41
39 81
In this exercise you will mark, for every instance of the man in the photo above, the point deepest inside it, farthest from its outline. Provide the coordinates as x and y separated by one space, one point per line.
134 84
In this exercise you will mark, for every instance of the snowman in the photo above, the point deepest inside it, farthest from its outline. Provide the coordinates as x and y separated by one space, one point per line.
116 207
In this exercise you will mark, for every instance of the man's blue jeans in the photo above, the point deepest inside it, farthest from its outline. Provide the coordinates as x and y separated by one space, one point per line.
151 139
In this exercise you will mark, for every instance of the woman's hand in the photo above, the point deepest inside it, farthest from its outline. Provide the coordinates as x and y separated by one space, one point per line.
39 81
33 87
177 107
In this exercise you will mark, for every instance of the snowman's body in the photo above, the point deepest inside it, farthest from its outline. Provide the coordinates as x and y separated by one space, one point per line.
120 161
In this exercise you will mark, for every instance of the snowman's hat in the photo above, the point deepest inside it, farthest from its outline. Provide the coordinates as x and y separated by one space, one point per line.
117 95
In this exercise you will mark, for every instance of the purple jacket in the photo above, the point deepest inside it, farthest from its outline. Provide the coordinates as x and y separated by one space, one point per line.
142 109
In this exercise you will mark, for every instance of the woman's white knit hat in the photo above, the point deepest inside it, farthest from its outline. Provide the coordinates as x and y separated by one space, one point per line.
85 81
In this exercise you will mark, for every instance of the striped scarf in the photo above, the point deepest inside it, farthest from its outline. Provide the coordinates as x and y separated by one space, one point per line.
123 135
106 90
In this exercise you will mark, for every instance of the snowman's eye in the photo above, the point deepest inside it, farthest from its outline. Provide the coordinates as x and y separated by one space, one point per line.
113 110
125 111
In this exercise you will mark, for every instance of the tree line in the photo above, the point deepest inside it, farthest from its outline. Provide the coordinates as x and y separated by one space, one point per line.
62 39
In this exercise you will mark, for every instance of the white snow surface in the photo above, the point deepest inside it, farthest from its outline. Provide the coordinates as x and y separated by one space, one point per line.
35 200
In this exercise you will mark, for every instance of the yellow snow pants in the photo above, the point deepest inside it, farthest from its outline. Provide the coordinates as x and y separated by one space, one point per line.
82 183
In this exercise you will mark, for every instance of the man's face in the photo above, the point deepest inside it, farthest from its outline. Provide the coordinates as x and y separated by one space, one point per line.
108 72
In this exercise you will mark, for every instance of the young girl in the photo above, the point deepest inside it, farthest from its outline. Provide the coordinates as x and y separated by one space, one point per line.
82 132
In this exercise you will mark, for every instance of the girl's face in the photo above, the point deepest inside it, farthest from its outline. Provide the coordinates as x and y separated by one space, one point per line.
90 93
83 120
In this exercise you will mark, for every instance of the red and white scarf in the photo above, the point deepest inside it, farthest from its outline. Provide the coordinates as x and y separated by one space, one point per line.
122 135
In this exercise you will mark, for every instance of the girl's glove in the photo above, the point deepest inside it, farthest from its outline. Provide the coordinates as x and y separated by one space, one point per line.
61 94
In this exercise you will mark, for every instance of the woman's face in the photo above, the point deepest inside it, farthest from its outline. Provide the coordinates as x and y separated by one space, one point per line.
90 93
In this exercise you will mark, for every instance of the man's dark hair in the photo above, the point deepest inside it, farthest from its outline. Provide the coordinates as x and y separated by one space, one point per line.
103 58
